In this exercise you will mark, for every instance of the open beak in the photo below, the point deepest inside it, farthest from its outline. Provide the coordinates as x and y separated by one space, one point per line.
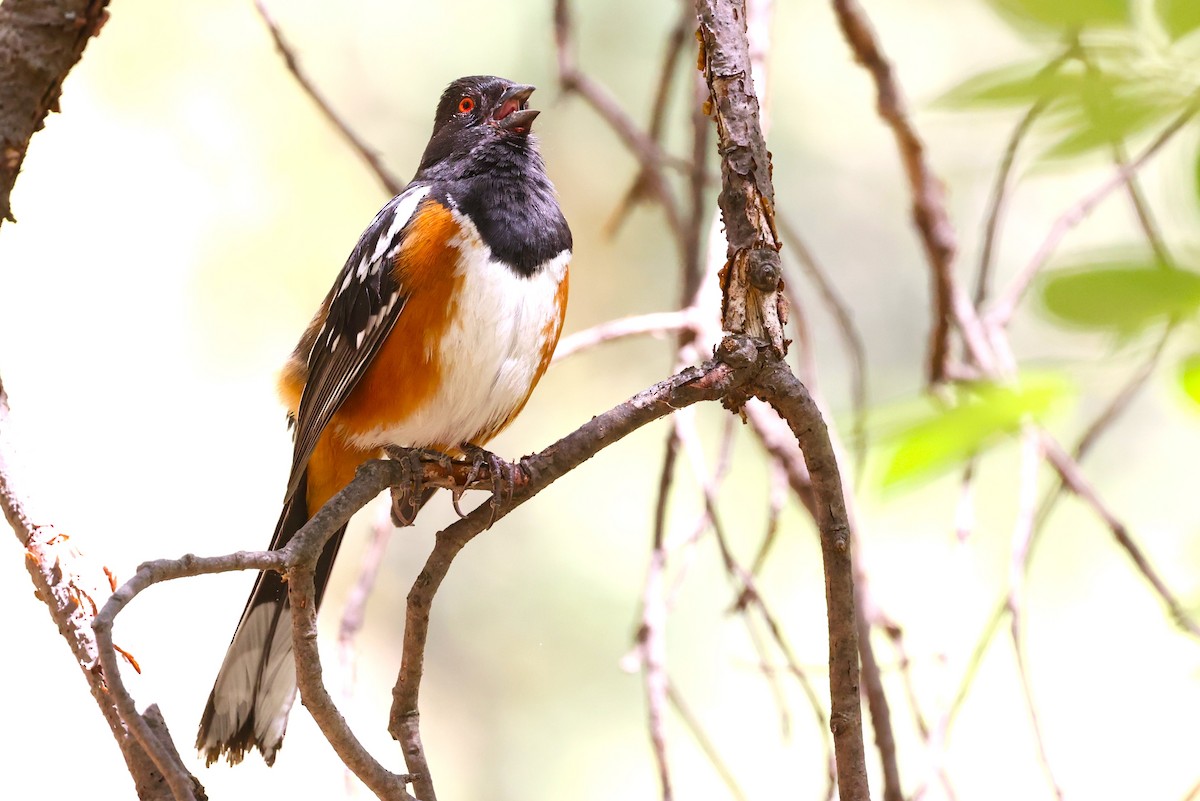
512 113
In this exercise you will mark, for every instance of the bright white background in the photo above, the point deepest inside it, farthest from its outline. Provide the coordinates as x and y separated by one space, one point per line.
183 216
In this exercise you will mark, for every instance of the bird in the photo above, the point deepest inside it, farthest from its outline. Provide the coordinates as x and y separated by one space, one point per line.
433 336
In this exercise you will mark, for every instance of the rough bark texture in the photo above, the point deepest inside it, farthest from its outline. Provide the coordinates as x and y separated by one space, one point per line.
780 388
752 302
40 41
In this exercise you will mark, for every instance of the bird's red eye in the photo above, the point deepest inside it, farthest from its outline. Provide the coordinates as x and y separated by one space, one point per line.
466 105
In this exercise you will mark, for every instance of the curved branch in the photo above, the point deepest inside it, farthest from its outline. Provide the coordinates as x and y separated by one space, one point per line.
780 388
754 303
738 361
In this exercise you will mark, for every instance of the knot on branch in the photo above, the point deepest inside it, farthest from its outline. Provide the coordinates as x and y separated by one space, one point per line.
763 269
738 351
752 301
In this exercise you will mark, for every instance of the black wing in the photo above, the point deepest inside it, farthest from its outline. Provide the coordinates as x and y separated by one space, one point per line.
364 305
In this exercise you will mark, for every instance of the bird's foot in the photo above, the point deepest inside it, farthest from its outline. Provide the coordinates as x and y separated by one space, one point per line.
411 493
500 472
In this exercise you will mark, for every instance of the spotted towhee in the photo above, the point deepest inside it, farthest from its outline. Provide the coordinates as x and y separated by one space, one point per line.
433 335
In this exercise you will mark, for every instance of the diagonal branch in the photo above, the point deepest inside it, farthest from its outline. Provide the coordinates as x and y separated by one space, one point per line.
737 364
69 584
928 200
1006 304
391 184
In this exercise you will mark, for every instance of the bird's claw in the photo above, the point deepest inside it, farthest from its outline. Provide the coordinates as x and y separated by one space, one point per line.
410 494
501 473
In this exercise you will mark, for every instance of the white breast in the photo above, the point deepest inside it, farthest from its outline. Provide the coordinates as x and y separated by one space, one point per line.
491 351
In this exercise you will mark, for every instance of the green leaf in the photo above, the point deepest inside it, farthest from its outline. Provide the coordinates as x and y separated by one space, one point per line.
1065 14
984 414
1014 85
1189 377
1119 296
1196 175
1178 17
1103 122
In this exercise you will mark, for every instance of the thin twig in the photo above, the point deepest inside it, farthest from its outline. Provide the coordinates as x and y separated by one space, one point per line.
651 640
1124 397
777 481
354 612
1002 310
878 709
1002 187
929 206
1121 159
996 202
650 156
653 324
391 184
1141 208
1031 459
638 189
1072 477
706 745
652 647
771 674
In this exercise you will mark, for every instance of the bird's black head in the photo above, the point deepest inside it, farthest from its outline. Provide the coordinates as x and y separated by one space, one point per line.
480 110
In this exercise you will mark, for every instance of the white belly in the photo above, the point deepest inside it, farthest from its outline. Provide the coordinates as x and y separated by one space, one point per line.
490 353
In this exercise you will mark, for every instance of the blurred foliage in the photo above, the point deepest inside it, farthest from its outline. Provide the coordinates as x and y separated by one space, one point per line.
1107 78
1058 14
1189 377
933 441
1179 17
1121 296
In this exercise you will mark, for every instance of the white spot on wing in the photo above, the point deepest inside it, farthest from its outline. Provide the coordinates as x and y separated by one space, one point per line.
402 212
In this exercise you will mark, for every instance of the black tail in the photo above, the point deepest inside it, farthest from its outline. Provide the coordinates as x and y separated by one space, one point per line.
256 686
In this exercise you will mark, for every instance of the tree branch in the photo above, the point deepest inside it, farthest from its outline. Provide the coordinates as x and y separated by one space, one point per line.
737 363
1001 312
390 183
752 302
928 201
791 400
39 44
